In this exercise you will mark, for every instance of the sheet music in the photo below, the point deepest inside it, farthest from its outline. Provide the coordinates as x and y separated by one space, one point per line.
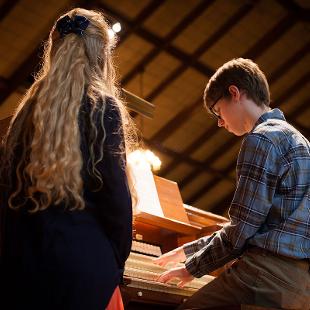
148 200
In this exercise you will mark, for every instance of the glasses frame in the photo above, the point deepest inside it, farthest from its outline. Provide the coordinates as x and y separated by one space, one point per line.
211 108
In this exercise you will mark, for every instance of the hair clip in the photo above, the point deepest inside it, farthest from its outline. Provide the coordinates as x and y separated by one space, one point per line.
67 25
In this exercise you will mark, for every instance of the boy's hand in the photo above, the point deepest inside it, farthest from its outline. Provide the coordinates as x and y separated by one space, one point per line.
174 257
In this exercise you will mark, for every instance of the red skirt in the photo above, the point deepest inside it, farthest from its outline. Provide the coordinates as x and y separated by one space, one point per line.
116 302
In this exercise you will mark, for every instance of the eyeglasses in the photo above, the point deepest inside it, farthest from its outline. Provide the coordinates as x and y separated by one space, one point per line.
211 108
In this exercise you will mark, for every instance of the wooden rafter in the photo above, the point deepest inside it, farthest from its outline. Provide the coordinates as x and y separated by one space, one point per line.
253 52
183 24
27 67
210 184
30 64
158 41
172 125
302 14
20 75
146 12
271 36
210 160
242 12
6 8
184 158
189 150
289 63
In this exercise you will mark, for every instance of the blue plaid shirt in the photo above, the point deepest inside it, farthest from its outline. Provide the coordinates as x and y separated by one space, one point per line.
271 205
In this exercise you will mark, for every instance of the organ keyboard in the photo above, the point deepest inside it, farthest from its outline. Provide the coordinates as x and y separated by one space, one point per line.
143 273
159 233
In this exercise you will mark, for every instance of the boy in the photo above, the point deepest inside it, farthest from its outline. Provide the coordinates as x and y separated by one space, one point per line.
269 229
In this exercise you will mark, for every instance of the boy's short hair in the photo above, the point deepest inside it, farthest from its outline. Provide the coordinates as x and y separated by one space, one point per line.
243 73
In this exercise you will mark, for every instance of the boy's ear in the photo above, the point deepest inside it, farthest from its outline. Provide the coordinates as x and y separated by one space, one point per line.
234 92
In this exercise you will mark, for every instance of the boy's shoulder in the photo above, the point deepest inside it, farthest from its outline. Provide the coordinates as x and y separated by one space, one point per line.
275 130
281 134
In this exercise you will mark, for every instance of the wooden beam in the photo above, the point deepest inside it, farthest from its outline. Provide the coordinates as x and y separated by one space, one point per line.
138 20
242 12
6 7
221 207
210 160
21 74
296 86
183 24
211 183
303 14
301 109
158 41
31 63
172 125
271 36
190 149
255 51
289 63
171 153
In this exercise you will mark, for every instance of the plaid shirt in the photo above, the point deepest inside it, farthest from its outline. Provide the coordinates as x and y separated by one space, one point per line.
271 205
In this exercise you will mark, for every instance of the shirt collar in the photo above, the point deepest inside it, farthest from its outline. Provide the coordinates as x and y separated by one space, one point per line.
272 114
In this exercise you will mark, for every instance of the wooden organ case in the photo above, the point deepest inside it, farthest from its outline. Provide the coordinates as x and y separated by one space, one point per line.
156 234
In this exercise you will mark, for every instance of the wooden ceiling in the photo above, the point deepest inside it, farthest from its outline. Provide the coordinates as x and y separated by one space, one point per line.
166 53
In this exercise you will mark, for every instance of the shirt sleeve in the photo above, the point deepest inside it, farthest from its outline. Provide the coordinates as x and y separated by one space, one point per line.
191 248
256 183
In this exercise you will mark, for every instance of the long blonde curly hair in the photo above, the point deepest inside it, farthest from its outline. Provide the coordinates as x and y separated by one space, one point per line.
45 126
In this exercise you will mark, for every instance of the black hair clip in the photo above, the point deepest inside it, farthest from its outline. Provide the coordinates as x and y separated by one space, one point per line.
67 25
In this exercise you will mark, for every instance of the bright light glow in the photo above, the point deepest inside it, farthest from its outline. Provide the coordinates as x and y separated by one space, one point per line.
111 33
153 160
117 27
145 158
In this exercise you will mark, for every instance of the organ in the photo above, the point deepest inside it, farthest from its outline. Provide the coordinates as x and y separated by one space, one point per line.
157 232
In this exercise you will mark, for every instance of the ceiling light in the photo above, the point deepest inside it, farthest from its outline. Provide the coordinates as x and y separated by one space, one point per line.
117 27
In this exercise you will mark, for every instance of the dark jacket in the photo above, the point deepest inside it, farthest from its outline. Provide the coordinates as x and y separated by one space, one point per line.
61 259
